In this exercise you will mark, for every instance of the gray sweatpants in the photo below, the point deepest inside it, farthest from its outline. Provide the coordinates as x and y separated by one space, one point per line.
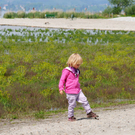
80 97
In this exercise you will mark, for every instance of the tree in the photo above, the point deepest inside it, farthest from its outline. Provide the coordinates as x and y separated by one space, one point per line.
121 3
118 5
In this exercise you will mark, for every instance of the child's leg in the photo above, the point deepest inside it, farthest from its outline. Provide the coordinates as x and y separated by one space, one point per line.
71 104
82 99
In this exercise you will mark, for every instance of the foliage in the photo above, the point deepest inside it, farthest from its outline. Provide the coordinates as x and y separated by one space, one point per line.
58 14
117 10
20 14
10 15
107 11
130 10
31 62
121 3
40 115
118 5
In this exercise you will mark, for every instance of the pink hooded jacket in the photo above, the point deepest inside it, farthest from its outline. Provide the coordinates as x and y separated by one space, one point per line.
69 82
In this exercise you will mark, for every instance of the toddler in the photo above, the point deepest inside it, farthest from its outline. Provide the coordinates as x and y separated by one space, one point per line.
69 82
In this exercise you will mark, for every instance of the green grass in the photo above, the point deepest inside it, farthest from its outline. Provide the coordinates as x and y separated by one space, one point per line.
30 71
47 114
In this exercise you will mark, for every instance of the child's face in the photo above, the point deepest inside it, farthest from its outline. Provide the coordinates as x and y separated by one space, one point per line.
77 66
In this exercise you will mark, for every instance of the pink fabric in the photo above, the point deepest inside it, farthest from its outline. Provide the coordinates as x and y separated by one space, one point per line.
69 82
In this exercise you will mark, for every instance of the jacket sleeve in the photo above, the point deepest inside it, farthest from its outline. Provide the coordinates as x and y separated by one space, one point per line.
63 78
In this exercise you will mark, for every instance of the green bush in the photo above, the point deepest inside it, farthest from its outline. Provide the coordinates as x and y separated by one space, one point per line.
116 10
10 15
20 14
130 10
107 11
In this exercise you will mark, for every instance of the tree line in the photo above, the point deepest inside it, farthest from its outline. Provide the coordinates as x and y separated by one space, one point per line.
118 5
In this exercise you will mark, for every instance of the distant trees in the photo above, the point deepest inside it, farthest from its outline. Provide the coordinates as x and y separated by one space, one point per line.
130 10
120 4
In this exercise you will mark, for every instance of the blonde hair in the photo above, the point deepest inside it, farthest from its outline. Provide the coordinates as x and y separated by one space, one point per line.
74 59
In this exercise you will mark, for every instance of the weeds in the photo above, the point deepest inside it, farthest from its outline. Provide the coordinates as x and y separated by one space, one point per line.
40 115
56 14
30 71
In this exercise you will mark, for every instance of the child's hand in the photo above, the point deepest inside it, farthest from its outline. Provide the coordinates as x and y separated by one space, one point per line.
61 92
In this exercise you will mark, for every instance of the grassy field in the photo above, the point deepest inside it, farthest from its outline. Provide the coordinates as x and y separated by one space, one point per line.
31 62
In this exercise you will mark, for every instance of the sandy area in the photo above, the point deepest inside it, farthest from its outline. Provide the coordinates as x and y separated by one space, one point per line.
118 120
122 23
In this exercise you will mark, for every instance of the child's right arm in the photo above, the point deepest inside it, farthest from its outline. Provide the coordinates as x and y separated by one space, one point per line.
61 92
63 79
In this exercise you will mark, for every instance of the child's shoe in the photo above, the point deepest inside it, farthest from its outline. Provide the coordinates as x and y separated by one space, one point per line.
92 115
72 118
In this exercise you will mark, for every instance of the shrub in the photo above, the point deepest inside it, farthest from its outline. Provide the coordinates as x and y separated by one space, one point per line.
116 10
130 10
21 14
107 11
10 15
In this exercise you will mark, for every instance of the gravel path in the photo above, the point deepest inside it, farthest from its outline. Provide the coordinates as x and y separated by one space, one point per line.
121 23
118 120
128 19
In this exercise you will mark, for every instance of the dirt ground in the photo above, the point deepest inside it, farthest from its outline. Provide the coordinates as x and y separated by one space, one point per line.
116 120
